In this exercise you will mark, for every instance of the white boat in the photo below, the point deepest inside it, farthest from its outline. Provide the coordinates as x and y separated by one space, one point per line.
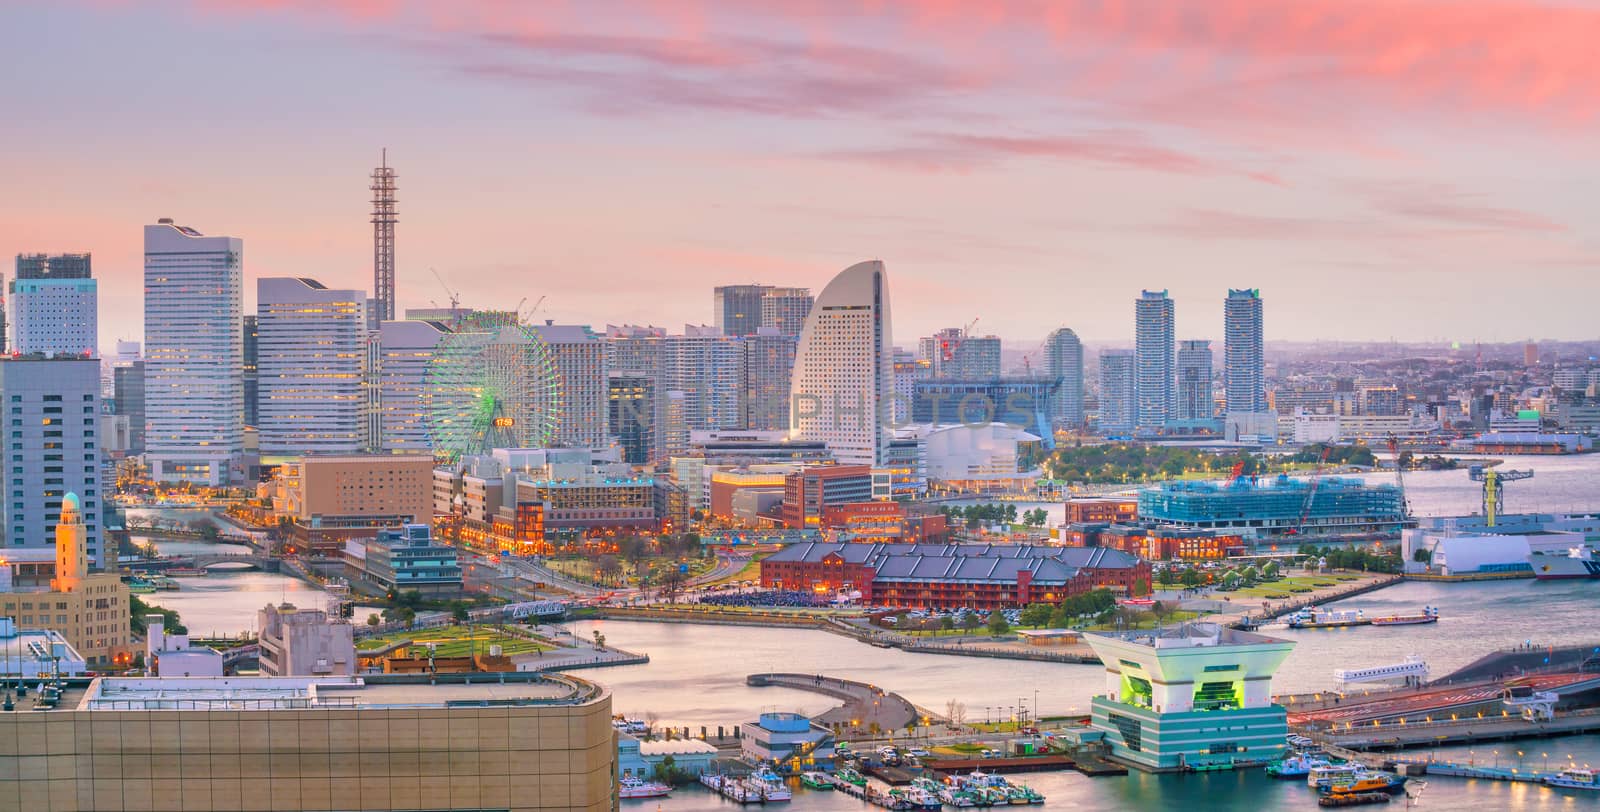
768 785
1330 774
635 788
1574 778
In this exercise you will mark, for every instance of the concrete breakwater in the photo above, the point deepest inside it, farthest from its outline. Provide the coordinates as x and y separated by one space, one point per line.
866 708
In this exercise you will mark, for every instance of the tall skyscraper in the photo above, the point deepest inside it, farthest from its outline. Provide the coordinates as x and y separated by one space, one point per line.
708 368
844 368
632 415
580 358
1195 398
127 393
405 352
1118 398
384 217
313 348
736 309
53 449
1153 353
1244 356
1530 354
194 359
252 371
54 306
785 309
1063 362
768 365
638 352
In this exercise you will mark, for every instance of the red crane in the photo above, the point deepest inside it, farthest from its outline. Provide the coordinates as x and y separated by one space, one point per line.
1311 493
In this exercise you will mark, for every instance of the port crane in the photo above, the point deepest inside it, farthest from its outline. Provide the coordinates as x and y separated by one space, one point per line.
1311 493
1399 477
1493 488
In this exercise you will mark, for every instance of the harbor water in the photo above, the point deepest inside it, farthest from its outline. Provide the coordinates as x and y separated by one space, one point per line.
696 673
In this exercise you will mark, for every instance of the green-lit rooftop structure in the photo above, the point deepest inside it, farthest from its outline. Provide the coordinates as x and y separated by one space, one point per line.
1270 510
1197 695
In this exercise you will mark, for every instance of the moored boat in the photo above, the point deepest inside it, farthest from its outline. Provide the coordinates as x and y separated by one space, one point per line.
1429 615
1366 781
1297 766
1582 561
816 780
1574 778
850 776
635 788
1330 774
1313 617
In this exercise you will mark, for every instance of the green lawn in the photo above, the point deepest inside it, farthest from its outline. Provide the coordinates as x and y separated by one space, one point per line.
1294 586
457 641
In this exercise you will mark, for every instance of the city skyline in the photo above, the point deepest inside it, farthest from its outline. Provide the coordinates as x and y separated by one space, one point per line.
526 120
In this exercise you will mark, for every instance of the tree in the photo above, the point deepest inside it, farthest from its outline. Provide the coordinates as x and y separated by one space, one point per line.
372 620
459 613
1191 577
1160 610
1167 577
947 623
1251 574
599 641
958 715
671 583
997 623
1141 587
1270 570
608 568
1036 614
970 621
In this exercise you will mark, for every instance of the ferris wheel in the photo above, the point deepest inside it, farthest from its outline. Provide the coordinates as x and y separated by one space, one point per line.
492 383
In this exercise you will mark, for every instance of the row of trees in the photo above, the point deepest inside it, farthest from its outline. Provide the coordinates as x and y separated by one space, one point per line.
1134 462
1191 577
1337 454
1367 559
975 516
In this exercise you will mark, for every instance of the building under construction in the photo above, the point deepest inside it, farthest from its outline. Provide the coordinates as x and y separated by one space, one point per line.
1282 509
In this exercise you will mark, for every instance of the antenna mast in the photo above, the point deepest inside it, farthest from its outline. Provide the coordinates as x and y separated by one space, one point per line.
384 217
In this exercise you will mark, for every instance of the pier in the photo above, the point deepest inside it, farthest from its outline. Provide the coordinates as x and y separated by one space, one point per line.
865 706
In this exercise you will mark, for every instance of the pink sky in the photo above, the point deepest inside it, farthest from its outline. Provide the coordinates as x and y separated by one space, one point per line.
1417 169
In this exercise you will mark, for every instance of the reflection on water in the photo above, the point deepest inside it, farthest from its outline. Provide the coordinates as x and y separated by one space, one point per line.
696 677
225 603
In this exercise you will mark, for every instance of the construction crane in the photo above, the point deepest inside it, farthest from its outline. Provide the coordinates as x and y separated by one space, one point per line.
1311 493
967 330
1493 488
455 300
1399 476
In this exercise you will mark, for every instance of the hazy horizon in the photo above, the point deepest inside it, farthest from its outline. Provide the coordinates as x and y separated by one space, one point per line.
1387 169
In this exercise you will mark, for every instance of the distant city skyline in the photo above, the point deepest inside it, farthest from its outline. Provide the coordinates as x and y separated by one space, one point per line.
1032 165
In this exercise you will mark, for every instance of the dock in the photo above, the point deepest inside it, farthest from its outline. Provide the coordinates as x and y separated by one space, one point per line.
870 795
1009 764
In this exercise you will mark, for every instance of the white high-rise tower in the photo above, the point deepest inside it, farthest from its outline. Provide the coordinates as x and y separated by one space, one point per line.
1243 356
194 356
843 378
1063 362
1154 351
311 353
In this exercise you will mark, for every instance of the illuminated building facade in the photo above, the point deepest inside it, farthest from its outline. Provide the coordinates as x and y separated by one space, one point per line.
1196 696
